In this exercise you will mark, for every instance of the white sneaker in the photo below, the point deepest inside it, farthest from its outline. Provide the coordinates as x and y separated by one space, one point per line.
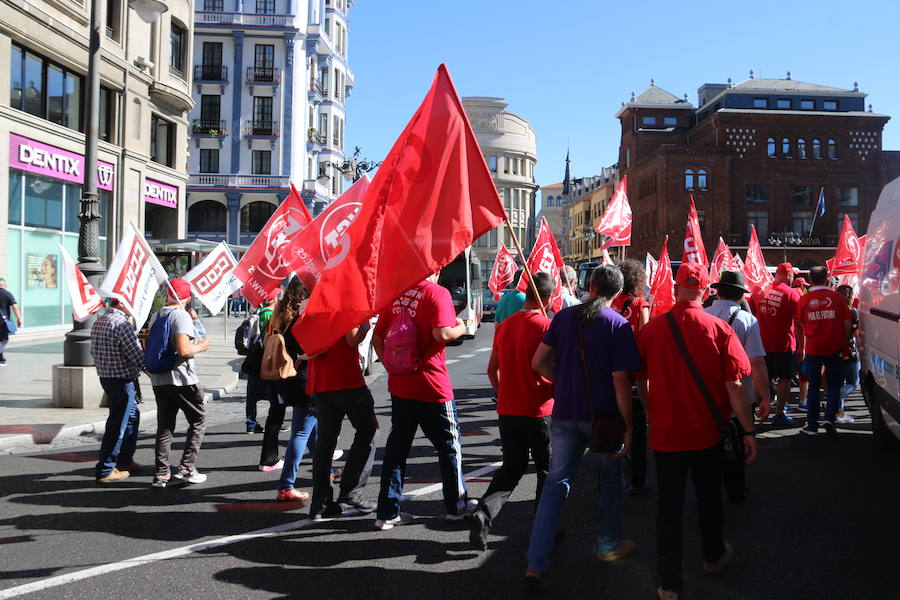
337 454
465 514
845 419
192 476
401 519
269 468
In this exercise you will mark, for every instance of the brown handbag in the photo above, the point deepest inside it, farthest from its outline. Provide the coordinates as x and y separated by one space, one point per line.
607 431
276 361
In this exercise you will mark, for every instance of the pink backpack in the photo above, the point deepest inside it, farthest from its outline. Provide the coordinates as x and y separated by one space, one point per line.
401 345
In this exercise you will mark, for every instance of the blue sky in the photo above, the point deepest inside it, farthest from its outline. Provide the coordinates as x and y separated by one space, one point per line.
567 66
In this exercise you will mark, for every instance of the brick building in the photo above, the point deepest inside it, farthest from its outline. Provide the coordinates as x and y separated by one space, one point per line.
757 152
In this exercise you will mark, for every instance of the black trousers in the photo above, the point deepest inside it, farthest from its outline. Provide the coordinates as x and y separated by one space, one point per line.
281 394
331 407
705 467
638 444
518 435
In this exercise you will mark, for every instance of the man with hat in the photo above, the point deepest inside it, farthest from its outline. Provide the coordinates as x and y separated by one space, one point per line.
684 435
776 310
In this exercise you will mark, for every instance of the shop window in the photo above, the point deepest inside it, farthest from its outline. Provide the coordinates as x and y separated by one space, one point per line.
801 196
771 151
162 141
14 216
757 194
848 196
207 215
255 215
43 202
209 160
832 149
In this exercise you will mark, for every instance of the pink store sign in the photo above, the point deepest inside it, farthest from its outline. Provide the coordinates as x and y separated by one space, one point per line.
157 192
43 159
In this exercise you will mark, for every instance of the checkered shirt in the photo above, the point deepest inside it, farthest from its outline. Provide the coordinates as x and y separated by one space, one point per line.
114 346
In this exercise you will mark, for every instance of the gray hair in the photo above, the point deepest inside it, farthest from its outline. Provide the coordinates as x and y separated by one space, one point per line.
2 282
568 274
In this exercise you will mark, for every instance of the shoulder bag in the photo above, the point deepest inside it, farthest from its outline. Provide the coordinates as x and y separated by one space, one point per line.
607 431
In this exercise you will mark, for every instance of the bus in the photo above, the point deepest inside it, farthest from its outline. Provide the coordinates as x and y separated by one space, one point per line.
462 278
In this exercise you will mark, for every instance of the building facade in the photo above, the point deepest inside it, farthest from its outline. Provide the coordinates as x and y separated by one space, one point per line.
144 100
590 196
553 209
270 81
754 153
509 146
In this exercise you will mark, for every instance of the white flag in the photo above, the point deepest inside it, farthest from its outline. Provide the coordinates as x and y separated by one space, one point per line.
213 279
85 299
134 275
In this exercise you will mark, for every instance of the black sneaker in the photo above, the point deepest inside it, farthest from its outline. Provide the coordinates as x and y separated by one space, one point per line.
478 530
360 504
830 430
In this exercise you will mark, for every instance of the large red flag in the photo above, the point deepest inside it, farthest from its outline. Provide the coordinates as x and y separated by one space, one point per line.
616 220
721 262
322 242
263 266
694 250
504 271
432 197
758 277
662 290
846 259
545 257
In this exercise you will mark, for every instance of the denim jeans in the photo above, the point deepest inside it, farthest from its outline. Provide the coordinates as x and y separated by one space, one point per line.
568 441
303 433
812 368
120 437
257 389
850 372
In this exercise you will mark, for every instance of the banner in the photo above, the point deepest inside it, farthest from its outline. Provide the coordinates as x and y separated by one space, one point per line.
213 279
758 277
503 273
263 266
616 219
85 299
848 255
721 262
694 250
545 258
134 276
322 243
662 290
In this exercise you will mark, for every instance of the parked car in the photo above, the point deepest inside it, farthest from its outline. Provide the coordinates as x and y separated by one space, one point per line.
488 306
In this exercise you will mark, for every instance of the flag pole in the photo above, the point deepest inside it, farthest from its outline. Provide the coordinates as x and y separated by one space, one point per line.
816 212
515 239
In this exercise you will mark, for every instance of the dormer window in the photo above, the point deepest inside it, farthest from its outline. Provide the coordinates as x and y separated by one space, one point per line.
760 103
784 103
807 104
649 120
670 121
830 105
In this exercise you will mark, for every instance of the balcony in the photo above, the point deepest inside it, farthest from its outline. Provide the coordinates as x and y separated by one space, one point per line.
263 76
210 127
257 128
211 73
253 20
313 138
241 181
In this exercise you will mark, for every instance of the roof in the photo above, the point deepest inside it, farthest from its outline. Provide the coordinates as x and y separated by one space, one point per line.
791 85
655 97
552 185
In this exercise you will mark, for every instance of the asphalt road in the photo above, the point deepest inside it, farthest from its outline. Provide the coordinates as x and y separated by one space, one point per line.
820 523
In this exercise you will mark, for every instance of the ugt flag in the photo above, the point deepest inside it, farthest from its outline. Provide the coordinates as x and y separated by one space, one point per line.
721 262
322 244
616 220
758 277
503 273
432 197
134 275
662 290
545 258
263 266
85 299
847 257
213 279
694 250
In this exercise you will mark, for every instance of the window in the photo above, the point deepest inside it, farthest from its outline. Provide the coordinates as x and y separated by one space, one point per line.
670 121
830 105
771 151
44 202
817 149
757 194
802 196
760 103
336 129
177 47
689 179
327 26
108 101
628 158
649 120
848 196
760 220
832 149
702 182
209 160
210 110
854 220
207 216
338 84
786 148
262 162
323 127
44 89
506 163
783 103
801 148
162 141
211 62
264 56
262 110
113 17
807 104
492 163
213 5
801 222
265 7
255 215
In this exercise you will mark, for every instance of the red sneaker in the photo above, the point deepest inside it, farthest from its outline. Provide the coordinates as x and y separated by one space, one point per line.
292 495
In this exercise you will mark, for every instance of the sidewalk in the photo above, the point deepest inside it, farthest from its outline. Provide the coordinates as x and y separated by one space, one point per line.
27 414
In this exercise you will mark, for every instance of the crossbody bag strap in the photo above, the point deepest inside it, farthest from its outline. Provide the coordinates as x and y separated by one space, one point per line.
584 371
692 367
734 316
627 303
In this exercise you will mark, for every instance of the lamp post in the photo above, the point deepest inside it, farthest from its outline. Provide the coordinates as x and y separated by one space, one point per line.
77 347
588 234
784 239
352 168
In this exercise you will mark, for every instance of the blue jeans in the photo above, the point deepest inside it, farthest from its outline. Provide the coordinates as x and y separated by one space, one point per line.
812 368
850 372
568 441
120 437
303 432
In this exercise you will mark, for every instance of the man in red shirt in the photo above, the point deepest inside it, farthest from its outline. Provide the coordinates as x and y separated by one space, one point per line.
824 316
524 404
776 310
336 380
685 436
422 398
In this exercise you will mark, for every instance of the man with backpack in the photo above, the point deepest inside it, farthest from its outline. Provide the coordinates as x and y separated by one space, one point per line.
410 338
171 346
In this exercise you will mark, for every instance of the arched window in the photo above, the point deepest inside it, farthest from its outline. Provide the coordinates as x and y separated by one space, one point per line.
702 181
801 148
817 149
786 148
254 216
688 179
550 201
832 149
771 151
207 216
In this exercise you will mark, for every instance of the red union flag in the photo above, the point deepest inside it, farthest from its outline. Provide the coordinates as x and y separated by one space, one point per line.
758 277
503 273
846 259
263 266
134 275
721 262
736 263
213 278
694 250
85 299
616 220
322 244
662 290
545 258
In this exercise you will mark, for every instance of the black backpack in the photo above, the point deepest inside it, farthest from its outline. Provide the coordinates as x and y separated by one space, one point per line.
246 335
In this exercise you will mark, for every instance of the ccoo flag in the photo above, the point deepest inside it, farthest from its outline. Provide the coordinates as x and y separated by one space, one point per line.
85 299
721 262
504 271
662 290
616 220
213 278
758 277
431 198
134 276
545 258
847 257
694 250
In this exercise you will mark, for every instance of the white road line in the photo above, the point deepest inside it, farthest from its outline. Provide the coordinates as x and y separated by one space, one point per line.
483 350
452 361
466 356
138 561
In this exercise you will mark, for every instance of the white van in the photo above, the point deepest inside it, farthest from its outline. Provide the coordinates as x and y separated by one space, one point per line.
880 318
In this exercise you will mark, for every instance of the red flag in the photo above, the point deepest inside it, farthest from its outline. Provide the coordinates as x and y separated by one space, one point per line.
322 242
721 262
662 290
432 197
85 299
846 259
694 250
504 271
616 220
545 258
736 263
263 266
758 277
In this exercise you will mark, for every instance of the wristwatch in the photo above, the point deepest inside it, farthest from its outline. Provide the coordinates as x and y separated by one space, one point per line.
751 432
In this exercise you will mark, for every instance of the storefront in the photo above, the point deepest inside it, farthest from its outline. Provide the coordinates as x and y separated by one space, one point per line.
160 210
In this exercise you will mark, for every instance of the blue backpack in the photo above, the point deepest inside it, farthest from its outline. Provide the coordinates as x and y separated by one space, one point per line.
159 355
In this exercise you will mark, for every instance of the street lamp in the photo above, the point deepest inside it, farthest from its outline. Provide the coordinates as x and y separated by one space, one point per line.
352 168
588 234
77 347
784 239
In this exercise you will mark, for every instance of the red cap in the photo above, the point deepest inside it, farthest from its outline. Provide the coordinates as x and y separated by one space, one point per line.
182 288
786 267
692 271
798 282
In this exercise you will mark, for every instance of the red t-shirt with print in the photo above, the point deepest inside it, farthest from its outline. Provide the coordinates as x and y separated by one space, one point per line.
822 313
522 392
632 314
775 311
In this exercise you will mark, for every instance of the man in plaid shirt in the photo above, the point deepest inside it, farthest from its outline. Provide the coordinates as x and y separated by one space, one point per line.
119 360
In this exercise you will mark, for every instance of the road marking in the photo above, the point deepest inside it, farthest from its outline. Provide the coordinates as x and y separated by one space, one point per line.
452 361
483 350
138 561
466 356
